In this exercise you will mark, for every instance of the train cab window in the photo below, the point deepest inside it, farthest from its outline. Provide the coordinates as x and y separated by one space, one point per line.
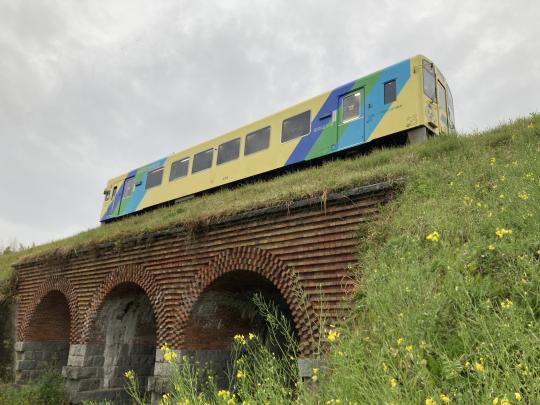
228 151
129 187
179 169
350 107
257 141
154 178
390 92
114 192
429 80
296 126
451 122
441 97
202 161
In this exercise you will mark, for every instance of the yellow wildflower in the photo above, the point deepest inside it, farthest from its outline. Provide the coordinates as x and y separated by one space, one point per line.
241 374
491 247
409 348
165 347
130 375
400 341
393 382
252 336
530 126
492 161
507 303
479 366
467 200
523 195
231 401
224 394
240 339
314 377
500 232
430 401
333 336
169 356
445 399
505 401
517 396
433 236
495 401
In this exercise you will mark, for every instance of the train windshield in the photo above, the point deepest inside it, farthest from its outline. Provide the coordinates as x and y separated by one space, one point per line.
429 79
451 122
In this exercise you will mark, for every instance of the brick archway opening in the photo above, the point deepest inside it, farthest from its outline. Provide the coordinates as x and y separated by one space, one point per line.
226 308
122 337
47 334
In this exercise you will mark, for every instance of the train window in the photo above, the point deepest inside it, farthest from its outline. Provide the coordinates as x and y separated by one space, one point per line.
202 161
154 178
256 141
129 187
390 92
429 80
296 126
350 107
441 96
228 151
179 169
114 192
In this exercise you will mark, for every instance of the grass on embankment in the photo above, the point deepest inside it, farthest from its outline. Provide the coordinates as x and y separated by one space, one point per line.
448 303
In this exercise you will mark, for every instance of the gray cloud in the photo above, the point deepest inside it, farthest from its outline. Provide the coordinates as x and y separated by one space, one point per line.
92 89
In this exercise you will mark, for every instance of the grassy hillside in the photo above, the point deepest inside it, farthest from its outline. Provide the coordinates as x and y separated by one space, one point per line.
448 303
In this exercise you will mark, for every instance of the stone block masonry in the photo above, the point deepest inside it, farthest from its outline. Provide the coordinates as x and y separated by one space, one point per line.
111 307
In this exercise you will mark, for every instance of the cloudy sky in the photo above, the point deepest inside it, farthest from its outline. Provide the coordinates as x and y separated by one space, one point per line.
90 89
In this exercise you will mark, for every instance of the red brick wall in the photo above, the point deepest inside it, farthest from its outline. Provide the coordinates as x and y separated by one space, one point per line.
306 246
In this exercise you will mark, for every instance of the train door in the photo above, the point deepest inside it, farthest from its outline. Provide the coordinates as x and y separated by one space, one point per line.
350 119
443 106
127 192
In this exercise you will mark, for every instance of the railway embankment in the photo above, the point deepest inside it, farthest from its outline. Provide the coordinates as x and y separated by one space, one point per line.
447 304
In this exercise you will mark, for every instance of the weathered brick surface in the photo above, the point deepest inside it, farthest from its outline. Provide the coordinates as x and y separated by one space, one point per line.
304 247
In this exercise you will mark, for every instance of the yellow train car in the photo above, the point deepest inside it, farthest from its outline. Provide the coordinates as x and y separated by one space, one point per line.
410 97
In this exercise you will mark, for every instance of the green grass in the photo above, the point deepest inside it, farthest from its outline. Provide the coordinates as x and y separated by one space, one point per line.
457 316
47 390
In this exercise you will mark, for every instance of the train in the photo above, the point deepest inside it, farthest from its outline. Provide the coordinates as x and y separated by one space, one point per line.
410 98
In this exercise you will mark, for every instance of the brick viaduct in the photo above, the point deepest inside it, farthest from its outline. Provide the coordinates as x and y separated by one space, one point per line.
105 309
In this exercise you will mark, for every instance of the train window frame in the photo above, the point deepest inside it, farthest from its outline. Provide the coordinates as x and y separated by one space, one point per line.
193 171
114 190
150 173
308 112
428 70
186 159
392 96
218 162
132 189
267 131
358 95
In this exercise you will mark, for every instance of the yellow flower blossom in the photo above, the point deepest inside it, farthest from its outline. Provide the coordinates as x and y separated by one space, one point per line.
501 232
467 201
333 335
479 366
224 394
393 382
492 161
507 303
400 341
314 377
409 348
491 247
495 401
445 399
523 195
433 236
240 339
517 396
530 126
252 336
430 401
130 374
505 401
241 374
169 356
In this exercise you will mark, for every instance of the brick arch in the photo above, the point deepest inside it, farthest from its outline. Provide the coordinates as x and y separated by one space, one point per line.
128 274
264 264
62 285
